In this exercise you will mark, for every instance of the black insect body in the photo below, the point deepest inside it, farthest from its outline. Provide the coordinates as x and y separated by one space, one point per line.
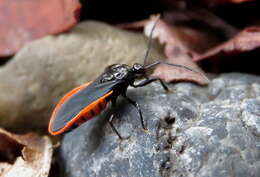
126 76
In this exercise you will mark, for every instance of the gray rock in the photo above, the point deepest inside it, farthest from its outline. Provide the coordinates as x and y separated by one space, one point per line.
44 70
193 131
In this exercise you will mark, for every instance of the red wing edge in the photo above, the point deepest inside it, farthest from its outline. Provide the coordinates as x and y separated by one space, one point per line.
82 112
60 103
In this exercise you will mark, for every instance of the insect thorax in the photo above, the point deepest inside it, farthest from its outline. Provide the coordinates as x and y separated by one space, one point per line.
118 72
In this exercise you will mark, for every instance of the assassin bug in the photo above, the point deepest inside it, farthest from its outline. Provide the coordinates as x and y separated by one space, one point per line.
88 100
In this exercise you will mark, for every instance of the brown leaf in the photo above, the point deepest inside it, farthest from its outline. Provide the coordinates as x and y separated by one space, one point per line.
216 2
26 155
209 26
23 21
246 40
195 39
176 53
168 74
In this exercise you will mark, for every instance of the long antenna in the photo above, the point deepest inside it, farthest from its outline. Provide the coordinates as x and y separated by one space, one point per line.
150 39
176 65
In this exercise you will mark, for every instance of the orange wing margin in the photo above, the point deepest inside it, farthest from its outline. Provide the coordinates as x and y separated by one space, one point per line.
85 110
63 100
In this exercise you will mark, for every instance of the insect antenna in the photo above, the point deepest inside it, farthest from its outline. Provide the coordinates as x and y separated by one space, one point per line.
175 65
163 62
150 41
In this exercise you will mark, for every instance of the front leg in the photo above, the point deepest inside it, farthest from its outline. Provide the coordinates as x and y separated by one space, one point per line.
150 80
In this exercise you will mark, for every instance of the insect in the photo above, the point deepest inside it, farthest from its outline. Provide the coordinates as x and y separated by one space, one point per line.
88 100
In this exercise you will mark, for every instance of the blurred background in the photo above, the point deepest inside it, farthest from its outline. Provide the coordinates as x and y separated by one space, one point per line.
49 47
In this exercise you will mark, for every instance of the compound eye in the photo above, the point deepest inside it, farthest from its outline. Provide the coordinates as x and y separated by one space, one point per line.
137 66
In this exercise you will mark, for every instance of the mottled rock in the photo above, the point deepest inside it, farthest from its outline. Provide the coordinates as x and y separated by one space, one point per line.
251 114
44 70
193 131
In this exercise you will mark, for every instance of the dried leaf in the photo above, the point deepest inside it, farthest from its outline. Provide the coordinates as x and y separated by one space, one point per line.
168 74
27 155
177 42
246 40
176 53
203 21
216 2
195 39
23 21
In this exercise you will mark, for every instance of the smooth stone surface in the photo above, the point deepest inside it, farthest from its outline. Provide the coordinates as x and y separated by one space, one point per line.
44 70
193 131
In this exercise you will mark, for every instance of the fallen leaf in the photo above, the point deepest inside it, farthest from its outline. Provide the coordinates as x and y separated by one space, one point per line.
201 20
176 52
168 74
246 40
26 155
23 21
217 2
198 40
176 49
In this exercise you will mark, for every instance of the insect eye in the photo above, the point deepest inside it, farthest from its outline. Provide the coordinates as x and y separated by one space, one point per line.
137 67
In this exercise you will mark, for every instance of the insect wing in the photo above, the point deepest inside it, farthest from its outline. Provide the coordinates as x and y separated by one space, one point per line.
75 101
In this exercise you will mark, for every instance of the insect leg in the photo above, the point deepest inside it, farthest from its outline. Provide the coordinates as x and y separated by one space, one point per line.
111 122
135 104
148 81
113 127
164 85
